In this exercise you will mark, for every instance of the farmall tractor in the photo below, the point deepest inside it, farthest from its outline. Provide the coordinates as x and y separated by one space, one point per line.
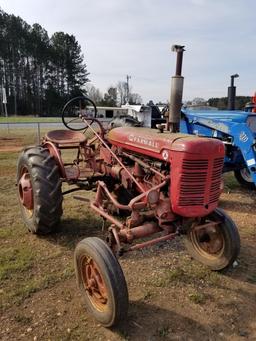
151 186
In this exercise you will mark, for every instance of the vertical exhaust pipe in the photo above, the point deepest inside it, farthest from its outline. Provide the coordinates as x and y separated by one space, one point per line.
173 124
232 93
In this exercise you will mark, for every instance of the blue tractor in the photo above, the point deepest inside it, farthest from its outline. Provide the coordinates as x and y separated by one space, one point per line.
237 129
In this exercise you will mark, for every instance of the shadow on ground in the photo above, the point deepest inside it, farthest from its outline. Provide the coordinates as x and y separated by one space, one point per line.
72 230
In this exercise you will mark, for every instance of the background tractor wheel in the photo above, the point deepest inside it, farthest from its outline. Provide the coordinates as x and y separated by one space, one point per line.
217 246
39 190
243 176
101 281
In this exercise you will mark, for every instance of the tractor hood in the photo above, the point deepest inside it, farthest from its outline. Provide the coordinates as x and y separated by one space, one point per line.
220 115
152 142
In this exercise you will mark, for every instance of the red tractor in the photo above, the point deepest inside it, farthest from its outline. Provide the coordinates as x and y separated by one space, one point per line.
151 185
162 184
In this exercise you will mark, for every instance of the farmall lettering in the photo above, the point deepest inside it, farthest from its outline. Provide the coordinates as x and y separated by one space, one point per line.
143 140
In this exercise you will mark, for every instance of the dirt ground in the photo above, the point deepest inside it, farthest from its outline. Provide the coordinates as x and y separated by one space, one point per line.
10 144
172 297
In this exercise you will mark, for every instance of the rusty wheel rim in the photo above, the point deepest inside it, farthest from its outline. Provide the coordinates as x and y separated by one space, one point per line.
25 191
209 241
94 284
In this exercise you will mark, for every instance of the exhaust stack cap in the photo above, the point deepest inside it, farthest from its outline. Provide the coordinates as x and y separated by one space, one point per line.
178 48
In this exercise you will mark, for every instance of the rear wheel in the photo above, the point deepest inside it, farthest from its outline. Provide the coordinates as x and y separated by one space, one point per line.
101 281
243 176
216 245
39 190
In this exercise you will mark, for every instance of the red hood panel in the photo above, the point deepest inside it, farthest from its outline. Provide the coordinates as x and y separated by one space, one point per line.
155 142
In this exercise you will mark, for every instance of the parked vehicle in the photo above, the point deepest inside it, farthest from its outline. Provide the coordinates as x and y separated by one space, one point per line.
237 129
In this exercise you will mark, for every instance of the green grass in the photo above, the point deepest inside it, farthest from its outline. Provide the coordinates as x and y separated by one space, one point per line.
21 137
197 297
187 272
25 119
13 260
163 331
29 263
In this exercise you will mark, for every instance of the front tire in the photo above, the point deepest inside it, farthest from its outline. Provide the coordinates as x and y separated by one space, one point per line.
244 178
216 246
39 190
101 281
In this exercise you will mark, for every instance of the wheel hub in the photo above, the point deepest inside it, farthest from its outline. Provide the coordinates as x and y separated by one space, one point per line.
26 191
210 239
246 175
94 284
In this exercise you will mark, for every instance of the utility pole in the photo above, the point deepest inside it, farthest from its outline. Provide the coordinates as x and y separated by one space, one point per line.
128 89
2 85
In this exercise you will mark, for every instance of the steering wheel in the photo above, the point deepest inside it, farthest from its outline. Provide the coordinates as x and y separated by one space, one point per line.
76 111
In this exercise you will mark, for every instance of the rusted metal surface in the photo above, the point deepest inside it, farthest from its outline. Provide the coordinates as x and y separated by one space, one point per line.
210 225
107 216
160 145
133 204
94 283
65 137
143 164
127 235
114 155
54 151
152 190
164 213
208 238
152 242
196 184
25 190
102 185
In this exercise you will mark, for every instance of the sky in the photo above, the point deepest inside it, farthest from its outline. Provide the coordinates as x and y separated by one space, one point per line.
134 37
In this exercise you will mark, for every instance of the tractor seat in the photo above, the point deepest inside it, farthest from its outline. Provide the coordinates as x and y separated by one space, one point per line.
65 137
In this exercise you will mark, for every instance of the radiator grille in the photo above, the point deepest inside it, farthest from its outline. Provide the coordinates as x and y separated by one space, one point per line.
216 180
199 177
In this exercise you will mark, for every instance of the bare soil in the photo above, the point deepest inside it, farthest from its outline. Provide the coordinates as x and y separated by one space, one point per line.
172 297
10 144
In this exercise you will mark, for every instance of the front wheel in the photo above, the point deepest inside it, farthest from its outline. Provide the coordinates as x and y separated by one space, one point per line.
243 176
216 245
101 281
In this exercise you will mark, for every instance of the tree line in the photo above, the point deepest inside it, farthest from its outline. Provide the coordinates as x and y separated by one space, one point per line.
220 103
115 96
39 73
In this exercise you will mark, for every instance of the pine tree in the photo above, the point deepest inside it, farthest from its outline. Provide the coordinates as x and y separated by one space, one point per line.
38 73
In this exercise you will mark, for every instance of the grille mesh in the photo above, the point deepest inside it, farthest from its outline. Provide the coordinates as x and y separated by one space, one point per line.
193 187
216 180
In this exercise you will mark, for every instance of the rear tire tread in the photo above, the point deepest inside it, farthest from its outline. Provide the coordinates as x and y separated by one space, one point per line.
46 184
